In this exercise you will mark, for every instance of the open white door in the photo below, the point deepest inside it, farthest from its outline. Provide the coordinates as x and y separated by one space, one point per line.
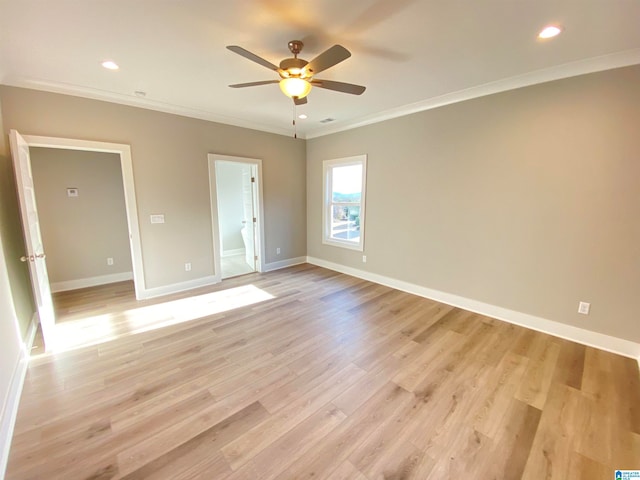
249 220
35 255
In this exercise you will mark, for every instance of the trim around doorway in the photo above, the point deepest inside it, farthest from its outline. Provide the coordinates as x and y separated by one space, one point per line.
212 158
129 192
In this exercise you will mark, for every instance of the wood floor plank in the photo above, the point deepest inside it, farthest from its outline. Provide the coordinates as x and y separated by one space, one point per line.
259 437
291 446
556 436
461 457
346 471
518 430
570 365
537 379
327 376
505 383
189 456
586 469
341 442
178 433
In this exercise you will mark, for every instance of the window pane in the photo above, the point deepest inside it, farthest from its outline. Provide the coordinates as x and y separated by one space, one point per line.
346 183
345 223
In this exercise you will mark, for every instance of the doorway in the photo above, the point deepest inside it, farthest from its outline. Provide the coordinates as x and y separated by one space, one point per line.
35 254
236 201
82 217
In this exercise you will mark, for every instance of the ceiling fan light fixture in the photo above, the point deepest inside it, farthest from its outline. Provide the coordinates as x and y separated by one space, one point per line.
295 87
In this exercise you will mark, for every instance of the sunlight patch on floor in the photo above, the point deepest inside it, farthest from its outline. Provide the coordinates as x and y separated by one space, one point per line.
88 331
183 310
106 327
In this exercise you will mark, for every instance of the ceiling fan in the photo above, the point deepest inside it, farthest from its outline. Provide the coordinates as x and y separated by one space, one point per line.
296 74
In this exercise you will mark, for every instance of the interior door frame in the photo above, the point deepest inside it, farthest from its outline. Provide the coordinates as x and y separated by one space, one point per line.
212 158
126 164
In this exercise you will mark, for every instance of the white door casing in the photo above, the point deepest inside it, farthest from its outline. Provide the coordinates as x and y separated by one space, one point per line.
126 165
258 209
34 255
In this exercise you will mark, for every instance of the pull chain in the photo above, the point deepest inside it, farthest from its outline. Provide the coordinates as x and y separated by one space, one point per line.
295 127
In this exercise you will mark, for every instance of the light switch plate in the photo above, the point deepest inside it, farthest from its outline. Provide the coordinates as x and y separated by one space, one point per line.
157 218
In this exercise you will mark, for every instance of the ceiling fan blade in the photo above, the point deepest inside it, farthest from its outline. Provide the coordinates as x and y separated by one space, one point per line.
252 56
327 59
300 101
339 86
253 84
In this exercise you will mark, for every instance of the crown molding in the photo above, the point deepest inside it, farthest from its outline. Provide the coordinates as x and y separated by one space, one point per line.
133 101
572 69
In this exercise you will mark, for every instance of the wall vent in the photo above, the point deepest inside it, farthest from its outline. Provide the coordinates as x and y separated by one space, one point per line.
327 120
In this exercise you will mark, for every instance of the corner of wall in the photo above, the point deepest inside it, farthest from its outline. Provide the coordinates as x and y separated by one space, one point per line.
4 148
10 412
13 241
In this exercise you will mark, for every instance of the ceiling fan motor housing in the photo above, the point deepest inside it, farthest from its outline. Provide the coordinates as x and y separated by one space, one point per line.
293 66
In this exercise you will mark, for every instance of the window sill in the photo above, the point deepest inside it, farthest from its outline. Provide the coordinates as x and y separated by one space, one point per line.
348 245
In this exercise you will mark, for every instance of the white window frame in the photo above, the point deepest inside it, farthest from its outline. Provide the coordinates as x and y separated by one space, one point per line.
327 169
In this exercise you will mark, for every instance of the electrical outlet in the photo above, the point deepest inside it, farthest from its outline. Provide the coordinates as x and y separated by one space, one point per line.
278 251
583 308
187 267
109 261
364 259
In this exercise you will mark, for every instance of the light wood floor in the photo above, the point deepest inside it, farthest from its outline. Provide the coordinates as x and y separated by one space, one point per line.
332 378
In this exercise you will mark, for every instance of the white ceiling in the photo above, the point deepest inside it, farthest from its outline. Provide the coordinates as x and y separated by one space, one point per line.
411 54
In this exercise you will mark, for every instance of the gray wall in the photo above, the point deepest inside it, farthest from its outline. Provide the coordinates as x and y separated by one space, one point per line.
13 241
528 199
16 302
10 351
80 233
170 167
230 207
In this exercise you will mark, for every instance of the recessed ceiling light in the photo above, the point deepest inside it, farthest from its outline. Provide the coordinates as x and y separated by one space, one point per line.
110 65
302 116
550 31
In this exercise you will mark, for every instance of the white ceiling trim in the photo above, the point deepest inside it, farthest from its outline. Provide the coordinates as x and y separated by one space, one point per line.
572 69
103 95
581 67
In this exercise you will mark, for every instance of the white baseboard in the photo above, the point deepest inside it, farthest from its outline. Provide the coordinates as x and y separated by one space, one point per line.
178 287
15 392
90 282
211 280
231 253
551 327
289 262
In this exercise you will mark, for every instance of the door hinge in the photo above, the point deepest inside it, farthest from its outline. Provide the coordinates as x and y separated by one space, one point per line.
255 257
253 179
255 219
